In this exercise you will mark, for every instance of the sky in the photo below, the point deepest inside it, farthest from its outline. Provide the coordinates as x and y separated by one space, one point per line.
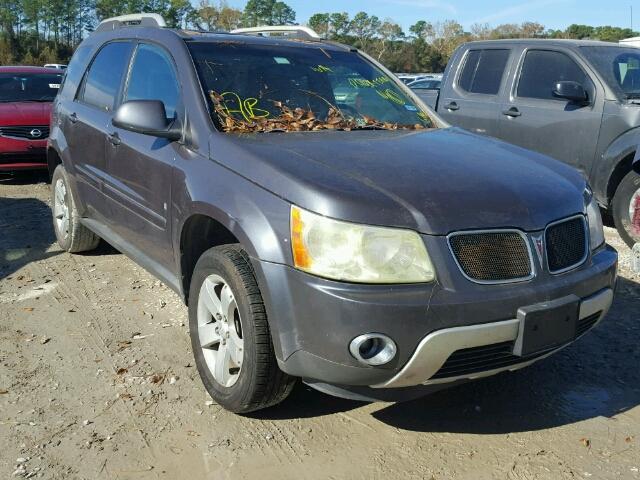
556 14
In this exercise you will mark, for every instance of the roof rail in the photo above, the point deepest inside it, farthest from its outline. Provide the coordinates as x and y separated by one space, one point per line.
132 20
284 30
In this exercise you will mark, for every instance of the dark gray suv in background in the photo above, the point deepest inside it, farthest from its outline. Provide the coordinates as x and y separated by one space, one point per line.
577 101
318 221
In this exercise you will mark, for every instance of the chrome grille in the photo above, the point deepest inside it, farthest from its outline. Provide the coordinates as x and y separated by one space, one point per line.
566 243
492 256
28 132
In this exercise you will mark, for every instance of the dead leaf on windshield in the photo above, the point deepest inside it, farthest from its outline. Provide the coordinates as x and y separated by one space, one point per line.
299 120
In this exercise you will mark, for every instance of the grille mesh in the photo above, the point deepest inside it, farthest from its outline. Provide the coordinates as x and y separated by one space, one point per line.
24 131
498 355
566 244
492 256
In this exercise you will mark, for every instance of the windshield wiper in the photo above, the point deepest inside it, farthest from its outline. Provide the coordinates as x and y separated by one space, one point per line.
632 95
370 127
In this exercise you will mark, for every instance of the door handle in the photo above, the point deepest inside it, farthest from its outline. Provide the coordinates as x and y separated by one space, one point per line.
512 112
114 139
73 118
452 106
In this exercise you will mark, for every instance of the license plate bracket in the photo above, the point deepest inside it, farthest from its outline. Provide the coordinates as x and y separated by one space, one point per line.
547 325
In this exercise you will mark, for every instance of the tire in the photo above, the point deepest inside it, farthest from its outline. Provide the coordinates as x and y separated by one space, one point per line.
72 236
628 191
251 380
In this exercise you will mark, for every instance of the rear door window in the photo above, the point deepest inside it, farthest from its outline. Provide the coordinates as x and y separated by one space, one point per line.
542 69
102 82
483 71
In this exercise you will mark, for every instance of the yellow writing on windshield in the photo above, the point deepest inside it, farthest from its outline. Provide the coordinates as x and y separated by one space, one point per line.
247 107
423 116
390 95
321 69
364 83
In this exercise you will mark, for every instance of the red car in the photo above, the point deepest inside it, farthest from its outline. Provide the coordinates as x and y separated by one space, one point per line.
26 95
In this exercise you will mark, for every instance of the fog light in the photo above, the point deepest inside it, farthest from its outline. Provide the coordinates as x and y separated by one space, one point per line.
373 349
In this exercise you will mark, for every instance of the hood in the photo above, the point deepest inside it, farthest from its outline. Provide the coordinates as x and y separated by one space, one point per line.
434 182
25 113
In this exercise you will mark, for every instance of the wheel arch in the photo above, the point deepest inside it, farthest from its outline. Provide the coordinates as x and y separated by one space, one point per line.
616 162
207 226
200 232
53 160
620 170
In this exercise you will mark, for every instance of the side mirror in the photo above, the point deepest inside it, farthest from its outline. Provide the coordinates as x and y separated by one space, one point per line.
147 117
572 91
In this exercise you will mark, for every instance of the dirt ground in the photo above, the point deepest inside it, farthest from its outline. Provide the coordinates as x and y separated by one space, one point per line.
97 381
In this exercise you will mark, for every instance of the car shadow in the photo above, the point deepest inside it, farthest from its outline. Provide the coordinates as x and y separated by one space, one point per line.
26 233
26 229
595 377
305 402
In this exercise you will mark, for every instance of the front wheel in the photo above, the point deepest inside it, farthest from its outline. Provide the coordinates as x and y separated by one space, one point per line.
626 209
230 334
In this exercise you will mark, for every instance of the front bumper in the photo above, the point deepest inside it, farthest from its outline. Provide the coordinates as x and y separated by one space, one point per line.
18 154
434 350
313 320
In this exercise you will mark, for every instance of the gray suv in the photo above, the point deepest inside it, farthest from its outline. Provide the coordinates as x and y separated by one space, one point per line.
575 100
317 219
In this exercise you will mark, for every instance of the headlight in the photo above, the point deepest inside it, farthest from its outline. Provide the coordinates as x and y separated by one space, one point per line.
596 232
357 253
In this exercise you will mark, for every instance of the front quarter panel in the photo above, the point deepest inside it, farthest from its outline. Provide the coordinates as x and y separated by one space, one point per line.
256 217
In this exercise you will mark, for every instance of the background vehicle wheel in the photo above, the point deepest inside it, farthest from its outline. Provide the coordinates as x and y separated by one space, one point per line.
230 335
626 208
72 236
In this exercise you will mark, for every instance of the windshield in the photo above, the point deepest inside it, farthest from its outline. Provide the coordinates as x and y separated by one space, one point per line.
29 87
620 67
266 88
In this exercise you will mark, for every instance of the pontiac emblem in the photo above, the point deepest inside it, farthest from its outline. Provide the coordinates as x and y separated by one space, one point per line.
538 241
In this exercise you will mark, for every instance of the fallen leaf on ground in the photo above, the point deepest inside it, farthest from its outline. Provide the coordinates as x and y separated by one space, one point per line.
586 442
140 337
121 371
3 392
28 309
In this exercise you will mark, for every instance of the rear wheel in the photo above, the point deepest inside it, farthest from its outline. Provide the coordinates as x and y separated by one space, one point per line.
626 208
230 334
72 236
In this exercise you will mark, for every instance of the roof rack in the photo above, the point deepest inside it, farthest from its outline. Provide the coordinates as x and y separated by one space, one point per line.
132 20
294 31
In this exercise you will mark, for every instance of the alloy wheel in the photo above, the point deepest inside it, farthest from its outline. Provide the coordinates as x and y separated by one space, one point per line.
220 330
61 208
